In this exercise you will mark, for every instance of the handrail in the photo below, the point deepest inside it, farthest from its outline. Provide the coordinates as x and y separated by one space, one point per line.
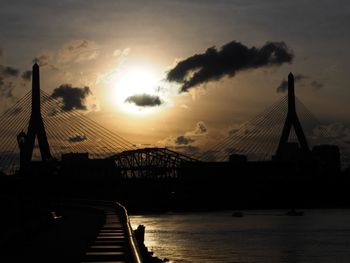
134 253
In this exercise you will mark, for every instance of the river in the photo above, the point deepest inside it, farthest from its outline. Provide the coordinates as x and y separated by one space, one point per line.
258 236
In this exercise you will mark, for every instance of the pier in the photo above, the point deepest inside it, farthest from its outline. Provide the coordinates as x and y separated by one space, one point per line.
82 231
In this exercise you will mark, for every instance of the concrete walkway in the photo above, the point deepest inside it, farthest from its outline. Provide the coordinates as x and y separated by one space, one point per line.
85 233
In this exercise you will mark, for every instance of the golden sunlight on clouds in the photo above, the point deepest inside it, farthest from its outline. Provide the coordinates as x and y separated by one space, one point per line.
136 91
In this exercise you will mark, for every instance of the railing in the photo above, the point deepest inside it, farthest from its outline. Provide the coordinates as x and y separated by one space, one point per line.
133 253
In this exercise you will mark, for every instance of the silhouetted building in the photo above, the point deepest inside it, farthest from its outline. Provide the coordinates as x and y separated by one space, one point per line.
327 158
237 158
291 152
74 156
79 166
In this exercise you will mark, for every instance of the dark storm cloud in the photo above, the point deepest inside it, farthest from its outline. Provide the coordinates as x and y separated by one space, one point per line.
77 138
144 100
231 58
27 75
183 140
283 86
72 97
9 71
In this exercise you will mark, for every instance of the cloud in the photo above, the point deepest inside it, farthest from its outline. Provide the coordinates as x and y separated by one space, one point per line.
188 137
42 60
78 51
73 98
144 100
9 71
183 140
336 133
6 89
336 130
301 80
6 83
1 53
231 58
79 44
77 138
316 85
119 52
200 128
191 149
283 86
27 75
187 149
110 76
184 106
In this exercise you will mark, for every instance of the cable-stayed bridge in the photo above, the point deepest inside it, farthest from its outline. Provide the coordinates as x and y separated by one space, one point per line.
51 131
259 137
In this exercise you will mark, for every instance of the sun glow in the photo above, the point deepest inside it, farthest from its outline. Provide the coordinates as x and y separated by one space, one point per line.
135 82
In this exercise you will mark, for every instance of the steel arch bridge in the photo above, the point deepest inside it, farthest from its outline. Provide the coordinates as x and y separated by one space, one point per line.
150 163
59 131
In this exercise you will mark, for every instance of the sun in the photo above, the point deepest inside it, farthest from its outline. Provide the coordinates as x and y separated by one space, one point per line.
136 81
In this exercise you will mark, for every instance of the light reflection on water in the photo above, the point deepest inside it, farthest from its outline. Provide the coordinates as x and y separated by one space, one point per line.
259 236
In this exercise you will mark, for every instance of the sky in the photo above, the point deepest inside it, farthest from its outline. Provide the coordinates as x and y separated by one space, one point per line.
179 73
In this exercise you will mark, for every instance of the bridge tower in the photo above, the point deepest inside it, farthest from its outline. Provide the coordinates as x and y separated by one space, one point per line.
36 126
284 148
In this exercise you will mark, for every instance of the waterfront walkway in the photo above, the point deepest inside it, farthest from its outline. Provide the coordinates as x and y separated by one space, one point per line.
89 231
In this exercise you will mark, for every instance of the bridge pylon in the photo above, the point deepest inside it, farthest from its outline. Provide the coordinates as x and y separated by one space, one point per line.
284 150
36 126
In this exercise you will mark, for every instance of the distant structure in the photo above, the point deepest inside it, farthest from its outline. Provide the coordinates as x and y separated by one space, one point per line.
287 150
36 126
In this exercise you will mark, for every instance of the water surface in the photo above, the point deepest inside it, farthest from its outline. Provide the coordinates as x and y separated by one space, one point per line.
259 236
